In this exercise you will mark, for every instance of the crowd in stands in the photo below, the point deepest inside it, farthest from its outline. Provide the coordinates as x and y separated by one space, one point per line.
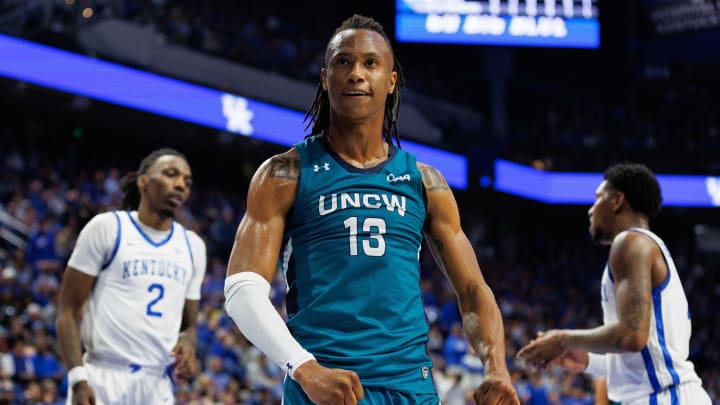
582 129
553 122
274 36
608 120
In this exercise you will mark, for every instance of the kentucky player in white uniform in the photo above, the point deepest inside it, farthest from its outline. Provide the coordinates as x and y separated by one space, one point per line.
130 293
661 367
642 346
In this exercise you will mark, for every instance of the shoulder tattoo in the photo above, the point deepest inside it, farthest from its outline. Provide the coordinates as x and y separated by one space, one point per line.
284 168
433 179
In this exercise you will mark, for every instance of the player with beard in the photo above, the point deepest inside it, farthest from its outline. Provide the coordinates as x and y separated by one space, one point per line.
642 346
130 293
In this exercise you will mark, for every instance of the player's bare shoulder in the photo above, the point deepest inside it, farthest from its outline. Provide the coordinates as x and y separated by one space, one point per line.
433 180
629 243
441 205
276 181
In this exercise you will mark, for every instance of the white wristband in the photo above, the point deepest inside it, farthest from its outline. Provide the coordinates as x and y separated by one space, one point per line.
597 367
296 361
77 374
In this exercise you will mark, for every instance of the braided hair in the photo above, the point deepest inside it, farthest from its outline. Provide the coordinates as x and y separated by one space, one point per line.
128 184
319 113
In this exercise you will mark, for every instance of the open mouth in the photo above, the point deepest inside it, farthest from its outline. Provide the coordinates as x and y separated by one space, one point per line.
355 94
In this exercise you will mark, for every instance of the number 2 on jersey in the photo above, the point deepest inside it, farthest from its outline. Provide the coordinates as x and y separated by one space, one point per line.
376 227
161 293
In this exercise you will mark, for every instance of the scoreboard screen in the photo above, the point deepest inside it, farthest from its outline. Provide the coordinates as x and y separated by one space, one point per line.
541 23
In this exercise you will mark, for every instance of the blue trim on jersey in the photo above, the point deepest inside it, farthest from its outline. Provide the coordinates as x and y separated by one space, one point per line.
653 399
659 325
147 238
657 303
665 282
649 234
187 240
117 244
351 168
612 279
674 395
650 368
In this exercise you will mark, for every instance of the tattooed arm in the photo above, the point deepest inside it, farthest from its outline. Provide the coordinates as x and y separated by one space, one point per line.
256 251
633 259
259 236
455 256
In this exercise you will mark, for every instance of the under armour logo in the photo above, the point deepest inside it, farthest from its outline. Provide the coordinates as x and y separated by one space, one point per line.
235 109
712 184
326 166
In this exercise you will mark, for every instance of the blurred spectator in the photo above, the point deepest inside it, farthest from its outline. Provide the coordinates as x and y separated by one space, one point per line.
46 364
216 374
455 346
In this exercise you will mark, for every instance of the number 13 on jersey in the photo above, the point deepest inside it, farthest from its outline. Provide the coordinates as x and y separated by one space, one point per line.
375 245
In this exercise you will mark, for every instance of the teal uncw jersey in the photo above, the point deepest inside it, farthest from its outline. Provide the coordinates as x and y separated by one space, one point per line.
351 263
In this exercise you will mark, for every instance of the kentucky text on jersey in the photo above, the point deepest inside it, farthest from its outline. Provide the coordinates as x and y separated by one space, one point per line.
358 200
154 267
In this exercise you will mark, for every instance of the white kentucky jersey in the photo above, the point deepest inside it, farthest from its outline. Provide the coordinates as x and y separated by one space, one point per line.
133 315
662 364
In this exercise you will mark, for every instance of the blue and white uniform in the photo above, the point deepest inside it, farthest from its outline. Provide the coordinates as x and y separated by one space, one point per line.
131 320
661 372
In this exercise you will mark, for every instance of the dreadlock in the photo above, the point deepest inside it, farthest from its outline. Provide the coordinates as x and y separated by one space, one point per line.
319 112
128 184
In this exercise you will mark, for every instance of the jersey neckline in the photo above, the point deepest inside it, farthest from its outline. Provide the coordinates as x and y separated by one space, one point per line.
147 237
375 169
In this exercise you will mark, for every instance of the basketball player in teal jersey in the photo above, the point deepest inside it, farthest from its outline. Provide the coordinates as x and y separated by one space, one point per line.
345 211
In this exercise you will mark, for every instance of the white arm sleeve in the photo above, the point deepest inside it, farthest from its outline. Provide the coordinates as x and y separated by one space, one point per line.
597 366
248 304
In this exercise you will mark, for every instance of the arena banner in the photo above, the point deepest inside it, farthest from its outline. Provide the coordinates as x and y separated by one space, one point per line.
545 23
141 90
579 188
